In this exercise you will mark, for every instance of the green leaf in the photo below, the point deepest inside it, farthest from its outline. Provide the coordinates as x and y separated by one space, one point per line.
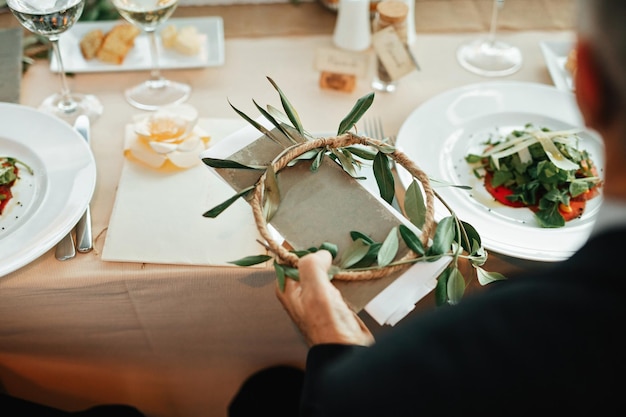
358 235
345 161
384 177
361 152
217 210
485 277
356 113
259 126
271 194
330 247
315 166
444 236
273 121
456 286
289 109
472 236
226 163
389 249
414 205
411 240
354 253
280 276
251 260
441 290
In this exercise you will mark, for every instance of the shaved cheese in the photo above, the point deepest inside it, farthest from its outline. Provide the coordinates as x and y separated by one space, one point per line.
553 153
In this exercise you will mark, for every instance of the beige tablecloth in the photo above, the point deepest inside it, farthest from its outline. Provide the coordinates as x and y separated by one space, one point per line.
179 340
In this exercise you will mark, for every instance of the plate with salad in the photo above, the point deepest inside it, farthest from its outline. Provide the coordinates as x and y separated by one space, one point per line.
514 160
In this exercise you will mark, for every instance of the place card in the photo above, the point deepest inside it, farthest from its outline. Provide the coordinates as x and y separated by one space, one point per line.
393 53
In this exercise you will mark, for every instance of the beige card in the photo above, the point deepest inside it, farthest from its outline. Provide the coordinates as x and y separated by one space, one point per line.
393 53
341 62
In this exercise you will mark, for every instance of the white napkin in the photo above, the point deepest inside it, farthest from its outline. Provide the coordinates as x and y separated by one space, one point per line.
157 216
397 300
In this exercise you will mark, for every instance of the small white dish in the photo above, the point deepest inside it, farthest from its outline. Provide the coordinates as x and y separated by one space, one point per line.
555 54
46 205
211 51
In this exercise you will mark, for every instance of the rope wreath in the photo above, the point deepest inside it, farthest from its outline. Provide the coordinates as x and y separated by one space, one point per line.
288 258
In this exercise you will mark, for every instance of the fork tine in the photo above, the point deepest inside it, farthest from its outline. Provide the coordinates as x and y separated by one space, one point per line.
379 129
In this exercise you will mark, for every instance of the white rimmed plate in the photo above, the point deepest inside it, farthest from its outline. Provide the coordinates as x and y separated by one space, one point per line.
46 205
441 132
555 54
211 51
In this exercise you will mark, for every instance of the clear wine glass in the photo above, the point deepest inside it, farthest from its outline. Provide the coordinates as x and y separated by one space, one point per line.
156 91
488 56
50 18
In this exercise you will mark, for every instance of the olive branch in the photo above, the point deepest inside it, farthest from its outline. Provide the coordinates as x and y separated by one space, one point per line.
451 237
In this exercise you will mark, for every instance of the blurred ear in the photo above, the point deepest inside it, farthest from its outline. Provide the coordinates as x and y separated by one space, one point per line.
590 88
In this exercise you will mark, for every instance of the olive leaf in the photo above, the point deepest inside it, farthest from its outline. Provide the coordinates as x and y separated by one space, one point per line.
485 277
358 235
411 240
251 260
226 163
271 195
356 113
455 286
354 253
389 248
414 206
273 121
217 210
444 236
384 177
275 138
289 109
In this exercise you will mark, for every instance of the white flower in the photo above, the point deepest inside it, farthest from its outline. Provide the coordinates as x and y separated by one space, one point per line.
169 135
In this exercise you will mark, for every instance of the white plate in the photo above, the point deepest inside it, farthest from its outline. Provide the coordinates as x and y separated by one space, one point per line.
555 54
440 133
45 206
211 52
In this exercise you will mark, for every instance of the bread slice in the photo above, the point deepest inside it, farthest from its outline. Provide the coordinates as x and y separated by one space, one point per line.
90 43
117 42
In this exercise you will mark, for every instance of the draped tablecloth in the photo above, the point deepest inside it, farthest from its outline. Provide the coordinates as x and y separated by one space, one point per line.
179 340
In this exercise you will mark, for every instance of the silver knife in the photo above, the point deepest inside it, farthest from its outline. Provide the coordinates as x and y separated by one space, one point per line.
84 239
65 248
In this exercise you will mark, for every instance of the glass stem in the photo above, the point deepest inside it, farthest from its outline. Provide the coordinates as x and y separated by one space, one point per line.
497 4
67 104
155 72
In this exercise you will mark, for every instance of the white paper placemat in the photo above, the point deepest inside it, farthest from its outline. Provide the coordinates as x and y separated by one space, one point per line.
157 215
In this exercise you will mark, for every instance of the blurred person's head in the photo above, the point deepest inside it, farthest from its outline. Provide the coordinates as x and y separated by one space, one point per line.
600 80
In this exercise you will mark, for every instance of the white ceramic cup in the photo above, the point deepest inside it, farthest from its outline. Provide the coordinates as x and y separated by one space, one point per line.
352 29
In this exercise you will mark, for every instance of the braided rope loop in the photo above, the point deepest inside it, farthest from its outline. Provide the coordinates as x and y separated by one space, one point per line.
347 139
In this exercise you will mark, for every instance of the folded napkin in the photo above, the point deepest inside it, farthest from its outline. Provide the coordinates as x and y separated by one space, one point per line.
399 298
157 215
10 64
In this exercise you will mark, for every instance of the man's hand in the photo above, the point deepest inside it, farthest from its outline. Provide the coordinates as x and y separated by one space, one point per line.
317 307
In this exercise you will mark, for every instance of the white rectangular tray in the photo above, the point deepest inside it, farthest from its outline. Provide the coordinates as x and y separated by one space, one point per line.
211 52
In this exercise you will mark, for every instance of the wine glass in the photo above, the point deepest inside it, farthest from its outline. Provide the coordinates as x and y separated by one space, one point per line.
50 18
156 91
488 56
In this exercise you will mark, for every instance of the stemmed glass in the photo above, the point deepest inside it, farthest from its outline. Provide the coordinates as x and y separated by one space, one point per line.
488 56
50 18
156 91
